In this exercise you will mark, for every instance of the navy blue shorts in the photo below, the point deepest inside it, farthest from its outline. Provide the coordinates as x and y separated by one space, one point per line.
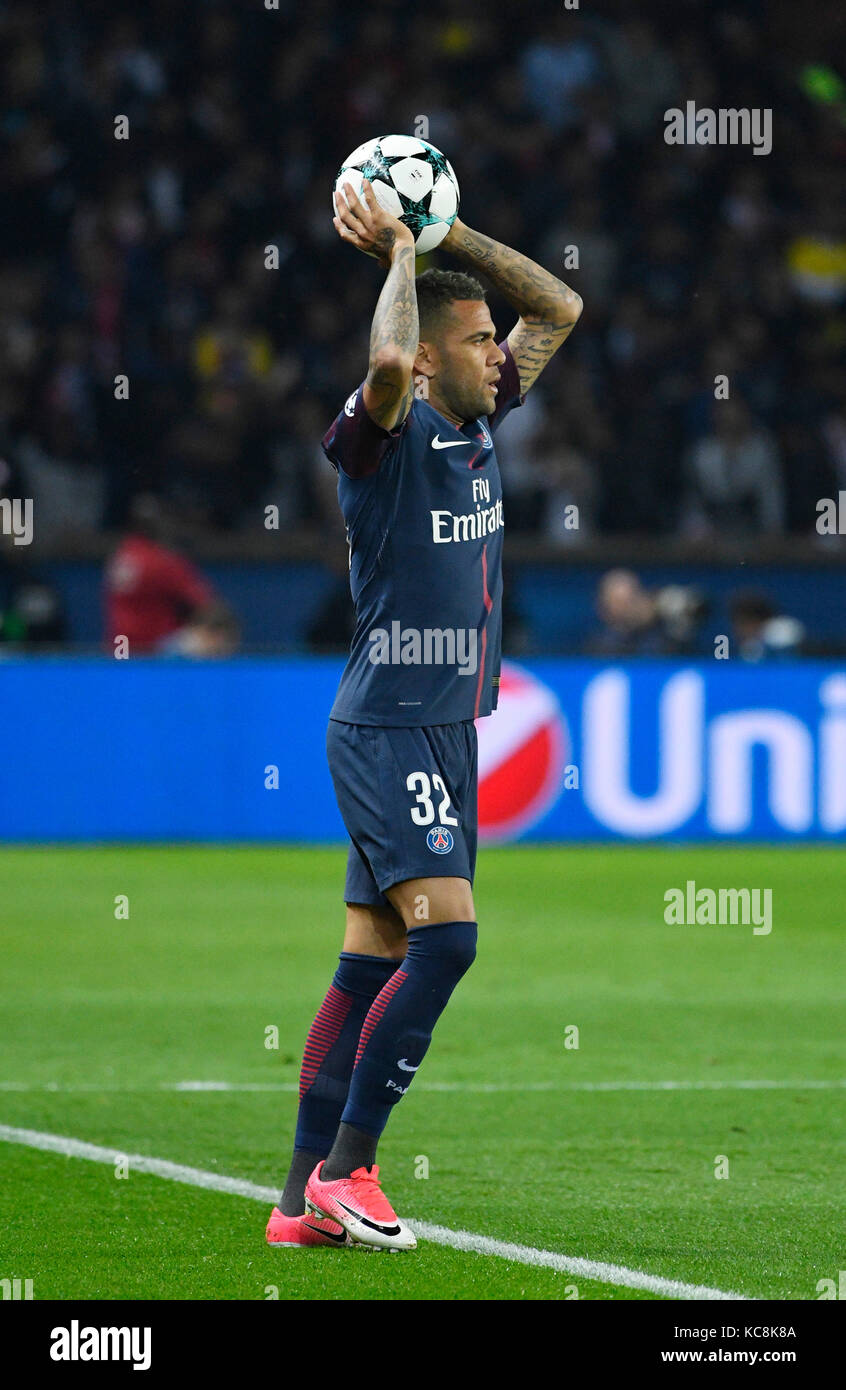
409 800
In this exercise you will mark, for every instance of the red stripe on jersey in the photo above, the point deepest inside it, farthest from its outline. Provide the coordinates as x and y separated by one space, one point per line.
488 601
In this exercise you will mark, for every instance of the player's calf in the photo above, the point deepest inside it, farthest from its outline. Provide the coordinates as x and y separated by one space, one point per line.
395 1037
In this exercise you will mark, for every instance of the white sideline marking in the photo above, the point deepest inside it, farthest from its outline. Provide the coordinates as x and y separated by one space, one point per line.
481 1087
571 1264
439 1235
158 1167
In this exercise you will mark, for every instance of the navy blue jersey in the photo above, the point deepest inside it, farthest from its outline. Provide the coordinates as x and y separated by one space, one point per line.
422 505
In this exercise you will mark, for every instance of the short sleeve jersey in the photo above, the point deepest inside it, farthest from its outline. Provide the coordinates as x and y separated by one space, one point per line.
422 505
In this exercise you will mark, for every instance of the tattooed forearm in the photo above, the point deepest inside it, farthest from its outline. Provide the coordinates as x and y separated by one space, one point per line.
389 401
394 337
395 326
548 308
531 290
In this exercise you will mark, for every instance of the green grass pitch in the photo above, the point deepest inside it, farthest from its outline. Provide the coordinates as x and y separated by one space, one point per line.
102 1016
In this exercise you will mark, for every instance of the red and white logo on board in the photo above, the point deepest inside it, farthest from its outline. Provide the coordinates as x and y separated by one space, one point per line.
523 749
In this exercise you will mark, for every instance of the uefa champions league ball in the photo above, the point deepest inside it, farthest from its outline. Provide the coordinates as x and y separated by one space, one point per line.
411 180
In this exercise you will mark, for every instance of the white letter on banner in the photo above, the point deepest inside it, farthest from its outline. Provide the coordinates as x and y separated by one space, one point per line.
606 757
832 770
790 760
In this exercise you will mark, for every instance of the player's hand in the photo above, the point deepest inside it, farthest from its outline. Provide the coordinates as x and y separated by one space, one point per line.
367 226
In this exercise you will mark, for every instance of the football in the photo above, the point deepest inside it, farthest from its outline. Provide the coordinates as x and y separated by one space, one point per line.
411 179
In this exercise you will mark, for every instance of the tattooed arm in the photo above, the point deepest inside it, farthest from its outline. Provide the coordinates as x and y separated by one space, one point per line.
548 308
394 335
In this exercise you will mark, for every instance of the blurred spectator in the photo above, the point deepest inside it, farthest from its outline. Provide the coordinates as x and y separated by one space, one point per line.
151 591
581 231
682 609
35 617
760 632
640 622
558 69
734 484
569 492
647 79
213 632
150 257
631 625
817 259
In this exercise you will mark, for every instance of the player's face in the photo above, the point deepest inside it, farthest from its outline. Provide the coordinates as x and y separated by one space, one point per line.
468 361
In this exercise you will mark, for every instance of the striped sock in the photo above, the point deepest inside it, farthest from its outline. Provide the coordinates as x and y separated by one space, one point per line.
327 1065
397 1031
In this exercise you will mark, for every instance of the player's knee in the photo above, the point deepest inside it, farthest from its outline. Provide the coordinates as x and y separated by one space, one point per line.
453 944
464 950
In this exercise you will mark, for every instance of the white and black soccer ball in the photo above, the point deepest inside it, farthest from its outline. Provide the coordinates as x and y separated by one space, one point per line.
411 180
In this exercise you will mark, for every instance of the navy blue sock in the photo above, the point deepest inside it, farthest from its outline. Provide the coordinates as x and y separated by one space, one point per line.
330 1051
398 1028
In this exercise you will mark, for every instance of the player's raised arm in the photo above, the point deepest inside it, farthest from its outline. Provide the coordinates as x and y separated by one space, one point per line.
389 389
548 308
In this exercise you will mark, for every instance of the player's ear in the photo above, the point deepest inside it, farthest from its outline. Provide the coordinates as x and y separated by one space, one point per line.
424 359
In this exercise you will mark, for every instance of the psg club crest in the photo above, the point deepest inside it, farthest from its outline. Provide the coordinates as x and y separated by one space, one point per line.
523 750
486 438
439 839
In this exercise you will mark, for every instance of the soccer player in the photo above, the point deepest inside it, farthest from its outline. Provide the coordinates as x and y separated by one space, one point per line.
420 491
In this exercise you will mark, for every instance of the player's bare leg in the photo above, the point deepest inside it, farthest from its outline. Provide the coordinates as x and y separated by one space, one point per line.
375 931
431 901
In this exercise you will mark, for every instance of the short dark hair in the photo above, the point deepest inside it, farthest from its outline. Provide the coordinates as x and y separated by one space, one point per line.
752 605
436 291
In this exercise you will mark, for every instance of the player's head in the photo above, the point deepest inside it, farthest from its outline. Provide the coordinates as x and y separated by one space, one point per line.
148 516
458 354
623 602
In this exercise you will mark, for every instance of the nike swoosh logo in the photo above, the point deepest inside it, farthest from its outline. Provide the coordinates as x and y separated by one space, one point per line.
403 1065
438 443
339 1240
374 1225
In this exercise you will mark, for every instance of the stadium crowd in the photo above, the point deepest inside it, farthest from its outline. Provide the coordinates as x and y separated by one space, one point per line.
147 256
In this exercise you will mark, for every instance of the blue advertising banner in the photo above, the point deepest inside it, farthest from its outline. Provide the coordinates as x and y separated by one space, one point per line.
99 749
